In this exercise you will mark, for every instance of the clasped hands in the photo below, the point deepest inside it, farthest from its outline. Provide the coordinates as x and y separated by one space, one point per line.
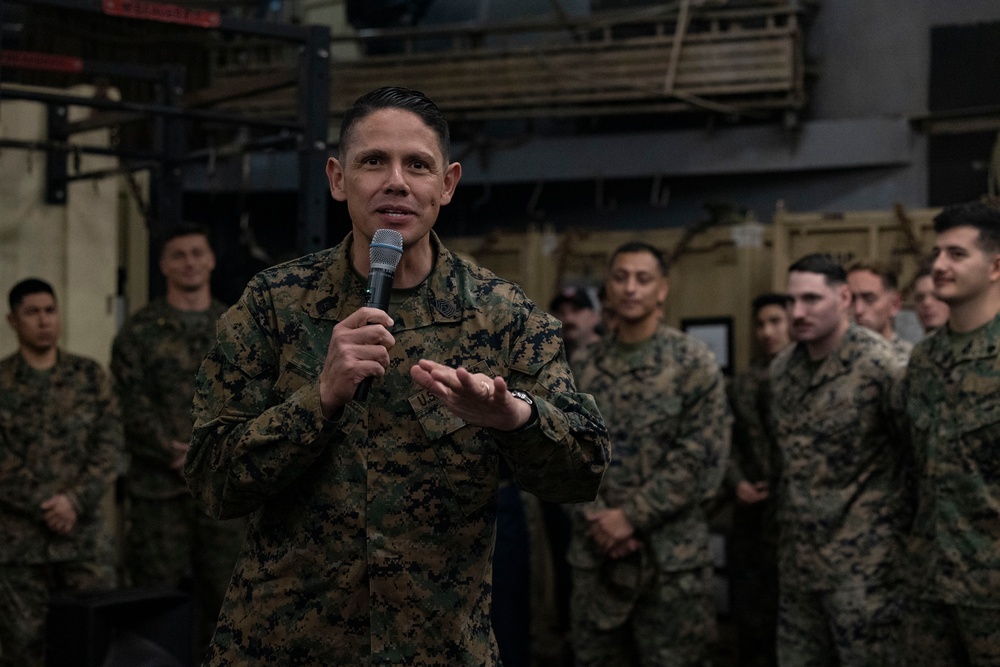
751 493
359 348
612 532
59 514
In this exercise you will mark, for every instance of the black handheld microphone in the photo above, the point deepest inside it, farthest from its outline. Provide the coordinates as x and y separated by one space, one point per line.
383 256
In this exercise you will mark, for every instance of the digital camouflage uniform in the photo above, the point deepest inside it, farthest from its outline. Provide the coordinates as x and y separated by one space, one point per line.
903 348
665 405
371 534
154 361
752 547
843 506
60 433
953 405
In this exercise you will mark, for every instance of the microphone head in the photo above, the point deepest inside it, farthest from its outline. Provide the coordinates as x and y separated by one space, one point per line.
385 250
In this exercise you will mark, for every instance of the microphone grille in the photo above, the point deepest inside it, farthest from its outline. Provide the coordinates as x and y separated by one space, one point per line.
385 250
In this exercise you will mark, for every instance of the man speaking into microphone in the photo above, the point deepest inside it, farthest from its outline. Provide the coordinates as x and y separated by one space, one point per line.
372 513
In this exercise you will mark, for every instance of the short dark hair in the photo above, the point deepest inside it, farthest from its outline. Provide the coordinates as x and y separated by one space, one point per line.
183 229
824 264
762 301
884 270
639 246
984 216
25 288
396 97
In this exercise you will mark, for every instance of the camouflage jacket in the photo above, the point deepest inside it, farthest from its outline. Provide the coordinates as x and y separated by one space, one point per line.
371 535
843 505
953 405
753 451
903 348
154 361
666 411
59 433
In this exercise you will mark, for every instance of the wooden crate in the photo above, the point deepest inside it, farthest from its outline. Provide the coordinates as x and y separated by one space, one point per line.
713 278
720 269
903 237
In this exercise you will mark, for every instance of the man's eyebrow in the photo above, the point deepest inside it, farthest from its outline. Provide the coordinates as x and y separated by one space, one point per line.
423 156
370 152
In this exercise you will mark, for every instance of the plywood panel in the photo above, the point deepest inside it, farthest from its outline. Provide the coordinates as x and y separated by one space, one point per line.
713 277
74 247
903 237
721 269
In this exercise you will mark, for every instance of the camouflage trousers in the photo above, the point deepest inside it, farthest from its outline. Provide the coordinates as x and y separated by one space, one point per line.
24 597
672 622
172 543
935 634
854 626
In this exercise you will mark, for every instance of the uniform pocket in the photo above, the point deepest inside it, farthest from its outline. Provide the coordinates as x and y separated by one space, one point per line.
300 370
465 453
980 437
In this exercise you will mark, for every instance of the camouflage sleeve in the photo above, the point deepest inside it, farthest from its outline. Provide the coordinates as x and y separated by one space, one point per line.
579 510
695 463
896 407
896 415
16 495
147 435
734 467
104 448
245 448
563 457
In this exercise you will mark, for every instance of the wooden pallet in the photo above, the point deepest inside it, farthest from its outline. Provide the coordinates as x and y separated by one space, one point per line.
729 62
740 65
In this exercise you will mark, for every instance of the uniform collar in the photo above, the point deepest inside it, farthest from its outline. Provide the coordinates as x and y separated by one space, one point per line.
651 358
22 370
340 290
981 343
835 364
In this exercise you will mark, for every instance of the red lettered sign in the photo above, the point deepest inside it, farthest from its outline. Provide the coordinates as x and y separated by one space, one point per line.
47 62
156 11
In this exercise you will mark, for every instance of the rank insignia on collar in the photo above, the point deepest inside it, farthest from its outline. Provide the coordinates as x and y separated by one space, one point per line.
325 304
446 308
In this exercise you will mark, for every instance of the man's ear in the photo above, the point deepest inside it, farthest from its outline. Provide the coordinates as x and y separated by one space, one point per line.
335 174
845 296
995 267
452 175
663 291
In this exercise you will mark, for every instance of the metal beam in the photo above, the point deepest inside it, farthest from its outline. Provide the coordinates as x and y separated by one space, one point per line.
227 91
67 148
818 145
959 121
314 103
171 142
56 170
843 144
13 93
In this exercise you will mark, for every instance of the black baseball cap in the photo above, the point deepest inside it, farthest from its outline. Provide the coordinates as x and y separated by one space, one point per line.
577 297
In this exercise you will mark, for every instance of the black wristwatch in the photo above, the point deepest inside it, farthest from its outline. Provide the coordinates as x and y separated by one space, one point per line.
526 397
